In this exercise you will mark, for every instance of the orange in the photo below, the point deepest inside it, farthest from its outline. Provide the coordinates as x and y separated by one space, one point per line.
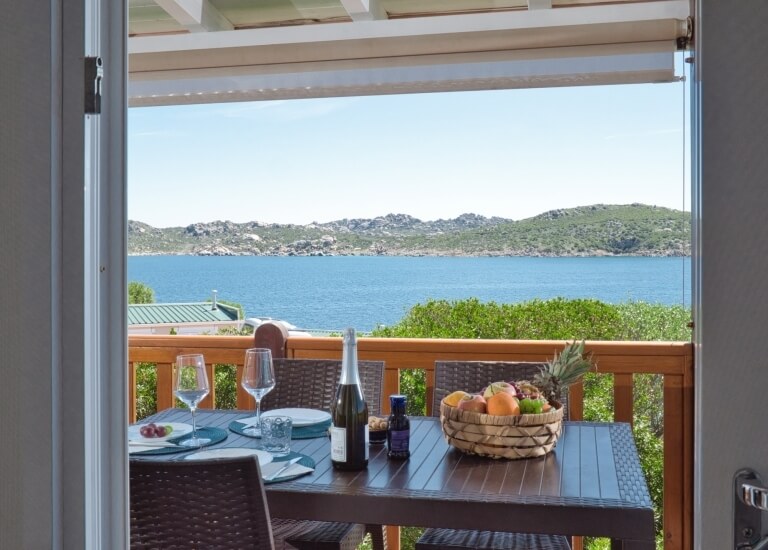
454 398
503 404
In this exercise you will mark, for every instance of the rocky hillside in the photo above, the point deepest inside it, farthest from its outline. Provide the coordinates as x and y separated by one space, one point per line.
598 230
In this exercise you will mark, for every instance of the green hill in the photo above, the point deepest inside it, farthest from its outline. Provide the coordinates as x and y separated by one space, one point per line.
597 230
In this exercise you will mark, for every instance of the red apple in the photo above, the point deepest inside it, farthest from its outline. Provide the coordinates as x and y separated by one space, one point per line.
474 402
499 387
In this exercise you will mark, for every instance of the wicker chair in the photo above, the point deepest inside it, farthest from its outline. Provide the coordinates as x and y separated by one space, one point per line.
312 383
472 376
203 504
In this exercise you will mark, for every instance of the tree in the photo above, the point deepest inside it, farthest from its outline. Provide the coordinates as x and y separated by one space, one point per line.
139 293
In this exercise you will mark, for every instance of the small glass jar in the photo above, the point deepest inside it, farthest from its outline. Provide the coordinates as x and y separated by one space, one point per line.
398 429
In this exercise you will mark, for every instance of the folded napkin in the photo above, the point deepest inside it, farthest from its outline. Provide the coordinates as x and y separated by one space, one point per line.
294 470
248 422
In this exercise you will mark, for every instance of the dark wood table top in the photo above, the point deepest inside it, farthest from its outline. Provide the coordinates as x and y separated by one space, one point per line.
591 484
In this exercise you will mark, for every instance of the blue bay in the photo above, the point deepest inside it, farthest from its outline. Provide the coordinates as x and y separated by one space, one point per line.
362 291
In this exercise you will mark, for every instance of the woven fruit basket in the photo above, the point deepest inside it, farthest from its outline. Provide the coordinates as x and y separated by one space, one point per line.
512 437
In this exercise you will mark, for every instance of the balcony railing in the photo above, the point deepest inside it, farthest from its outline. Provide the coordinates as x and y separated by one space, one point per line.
671 360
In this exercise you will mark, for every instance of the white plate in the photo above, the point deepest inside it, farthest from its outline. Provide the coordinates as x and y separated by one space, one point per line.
301 417
232 452
179 428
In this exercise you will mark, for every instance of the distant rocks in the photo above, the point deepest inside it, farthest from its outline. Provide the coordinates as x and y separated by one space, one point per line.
215 251
596 230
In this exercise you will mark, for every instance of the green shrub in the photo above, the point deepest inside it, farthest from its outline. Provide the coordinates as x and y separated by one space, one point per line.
226 387
140 293
146 390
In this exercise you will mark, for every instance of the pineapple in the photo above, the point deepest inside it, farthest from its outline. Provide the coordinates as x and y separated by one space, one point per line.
562 371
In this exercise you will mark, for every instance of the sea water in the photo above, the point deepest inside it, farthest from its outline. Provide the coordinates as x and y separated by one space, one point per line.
333 292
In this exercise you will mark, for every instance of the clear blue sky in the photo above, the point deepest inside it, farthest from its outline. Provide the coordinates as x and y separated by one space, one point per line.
512 154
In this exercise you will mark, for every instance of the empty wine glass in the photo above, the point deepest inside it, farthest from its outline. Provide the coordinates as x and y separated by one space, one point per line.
190 385
258 380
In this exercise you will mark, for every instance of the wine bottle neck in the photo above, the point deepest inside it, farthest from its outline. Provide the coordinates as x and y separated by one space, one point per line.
349 372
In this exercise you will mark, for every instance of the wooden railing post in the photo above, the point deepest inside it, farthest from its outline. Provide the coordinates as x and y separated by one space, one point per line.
272 336
165 397
623 396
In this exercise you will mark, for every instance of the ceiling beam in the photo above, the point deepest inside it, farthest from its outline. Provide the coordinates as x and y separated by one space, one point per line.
196 15
423 35
364 10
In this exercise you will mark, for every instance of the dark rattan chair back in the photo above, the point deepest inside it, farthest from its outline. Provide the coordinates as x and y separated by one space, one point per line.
311 383
473 376
201 504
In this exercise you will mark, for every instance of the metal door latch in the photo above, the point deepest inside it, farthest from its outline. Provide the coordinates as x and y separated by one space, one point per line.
751 500
94 72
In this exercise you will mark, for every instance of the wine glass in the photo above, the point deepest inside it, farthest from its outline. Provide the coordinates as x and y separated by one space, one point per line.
258 380
190 385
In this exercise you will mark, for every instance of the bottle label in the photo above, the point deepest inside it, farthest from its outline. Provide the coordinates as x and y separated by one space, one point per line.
339 444
398 440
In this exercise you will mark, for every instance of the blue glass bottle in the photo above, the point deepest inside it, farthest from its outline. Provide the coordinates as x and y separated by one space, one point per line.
398 429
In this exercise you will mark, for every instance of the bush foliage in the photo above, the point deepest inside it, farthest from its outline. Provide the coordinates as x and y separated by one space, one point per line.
140 293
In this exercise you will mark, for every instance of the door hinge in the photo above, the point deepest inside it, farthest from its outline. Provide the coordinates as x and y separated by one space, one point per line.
94 72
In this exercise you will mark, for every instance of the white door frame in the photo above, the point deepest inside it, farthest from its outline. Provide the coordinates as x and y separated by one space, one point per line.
730 293
94 229
106 381
82 344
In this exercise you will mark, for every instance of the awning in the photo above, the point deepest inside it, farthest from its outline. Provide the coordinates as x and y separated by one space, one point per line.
585 45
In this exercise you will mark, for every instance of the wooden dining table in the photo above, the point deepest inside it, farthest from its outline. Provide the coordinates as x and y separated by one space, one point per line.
591 484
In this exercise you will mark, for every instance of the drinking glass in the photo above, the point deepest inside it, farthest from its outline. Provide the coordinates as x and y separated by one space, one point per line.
276 434
258 380
190 385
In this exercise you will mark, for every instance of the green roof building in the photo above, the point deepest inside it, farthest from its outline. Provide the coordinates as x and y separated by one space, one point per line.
186 318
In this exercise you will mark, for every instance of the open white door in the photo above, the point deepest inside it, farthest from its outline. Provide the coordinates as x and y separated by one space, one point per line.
731 293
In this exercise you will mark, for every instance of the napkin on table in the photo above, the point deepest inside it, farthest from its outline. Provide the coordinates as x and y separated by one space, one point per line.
293 470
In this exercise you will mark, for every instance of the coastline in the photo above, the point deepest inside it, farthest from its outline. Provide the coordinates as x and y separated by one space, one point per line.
590 254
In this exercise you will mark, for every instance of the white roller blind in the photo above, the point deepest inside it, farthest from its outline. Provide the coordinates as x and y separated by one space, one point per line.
558 47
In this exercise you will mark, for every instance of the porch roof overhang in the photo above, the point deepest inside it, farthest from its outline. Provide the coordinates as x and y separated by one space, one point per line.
217 57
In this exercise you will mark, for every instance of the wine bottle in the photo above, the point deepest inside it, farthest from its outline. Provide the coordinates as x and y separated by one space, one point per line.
349 431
